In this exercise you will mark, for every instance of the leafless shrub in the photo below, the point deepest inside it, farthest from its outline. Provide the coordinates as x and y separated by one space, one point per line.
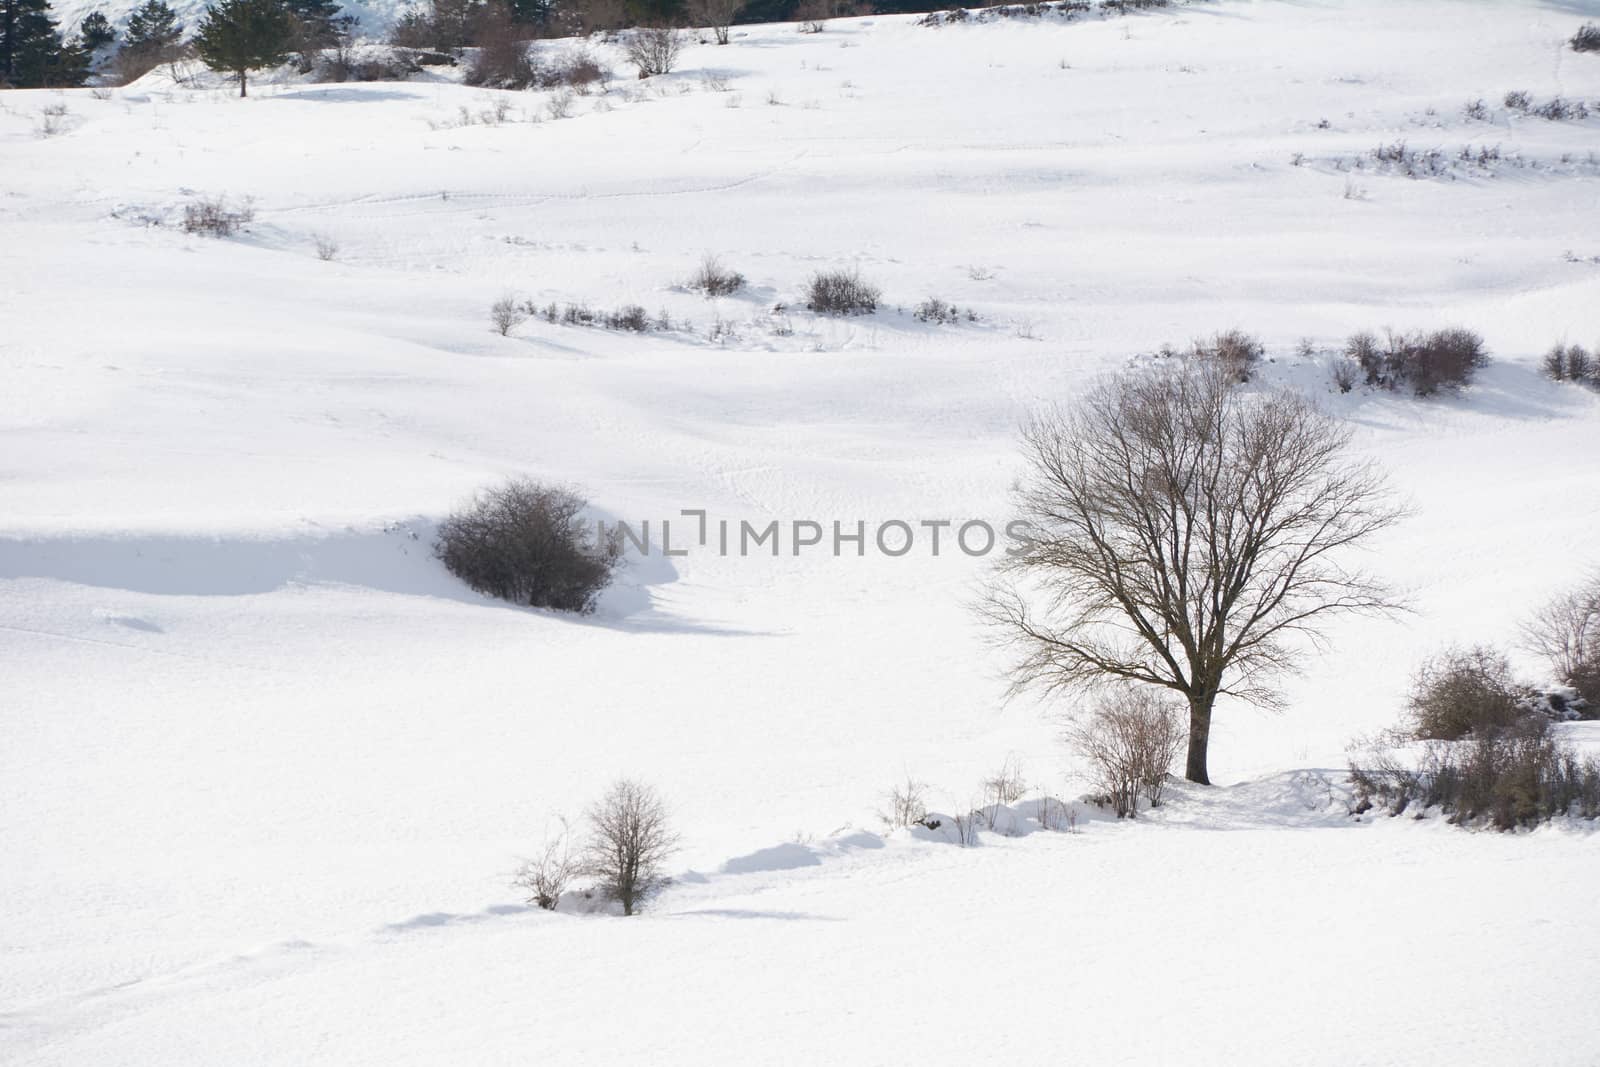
1234 350
811 14
1587 39
1130 739
905 805
653 50
1557 109
965 827
713 279
1056 816
527 543
559 106
1517 100
1426 362
213 217
1566 634
1448 358
935 310
1518 776
506 315
841 292
1362 349
327 247
1581 365
715 15
1465 691
502 59
1007 786
1476 111
52 120
1345 372
578 71
629 840
1554 363
632 317
545 876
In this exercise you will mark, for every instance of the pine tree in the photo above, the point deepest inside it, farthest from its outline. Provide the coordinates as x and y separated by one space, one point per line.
153 27
32 53
95 31
240 35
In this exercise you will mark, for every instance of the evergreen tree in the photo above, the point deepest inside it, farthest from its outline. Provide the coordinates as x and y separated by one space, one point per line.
241 35
153 28
32 53
319 20
95 31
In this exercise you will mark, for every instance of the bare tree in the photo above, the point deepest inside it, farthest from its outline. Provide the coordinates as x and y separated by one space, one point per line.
1183 533
629 840
715 15
1130 738
1566 633
546 875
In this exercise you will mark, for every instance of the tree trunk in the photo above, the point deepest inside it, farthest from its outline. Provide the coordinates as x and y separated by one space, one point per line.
1199 737
241 83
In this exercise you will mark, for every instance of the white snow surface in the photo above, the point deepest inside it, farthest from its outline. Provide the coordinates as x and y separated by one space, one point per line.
266 768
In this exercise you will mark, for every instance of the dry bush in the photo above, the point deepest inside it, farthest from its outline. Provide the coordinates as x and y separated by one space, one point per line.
1570 363
629 840
1518 100
1426 362
1566 634
713 279
631 317
937 311
716 15
841 293
966 827
1056 815
1130 739
1587 39
1446 358
527 543
1581 365
1345 372
327 248
1007 786
1554 364
213 217
1465 691
1518 776
1557 109
502 60
653 49
577 70
545 876
506 315
1362 349
1234 350
905 805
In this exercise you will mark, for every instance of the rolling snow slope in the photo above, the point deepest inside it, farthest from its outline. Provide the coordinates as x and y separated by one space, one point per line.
259 751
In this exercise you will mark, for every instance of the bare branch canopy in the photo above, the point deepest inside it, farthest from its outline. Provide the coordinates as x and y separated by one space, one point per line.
1188 534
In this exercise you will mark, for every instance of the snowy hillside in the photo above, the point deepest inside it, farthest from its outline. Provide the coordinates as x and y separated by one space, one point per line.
373 18
267 767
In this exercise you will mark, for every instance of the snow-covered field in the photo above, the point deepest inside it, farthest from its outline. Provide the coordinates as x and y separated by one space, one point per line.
265 768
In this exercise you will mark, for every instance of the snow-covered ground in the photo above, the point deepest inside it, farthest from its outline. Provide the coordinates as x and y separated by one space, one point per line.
266 768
